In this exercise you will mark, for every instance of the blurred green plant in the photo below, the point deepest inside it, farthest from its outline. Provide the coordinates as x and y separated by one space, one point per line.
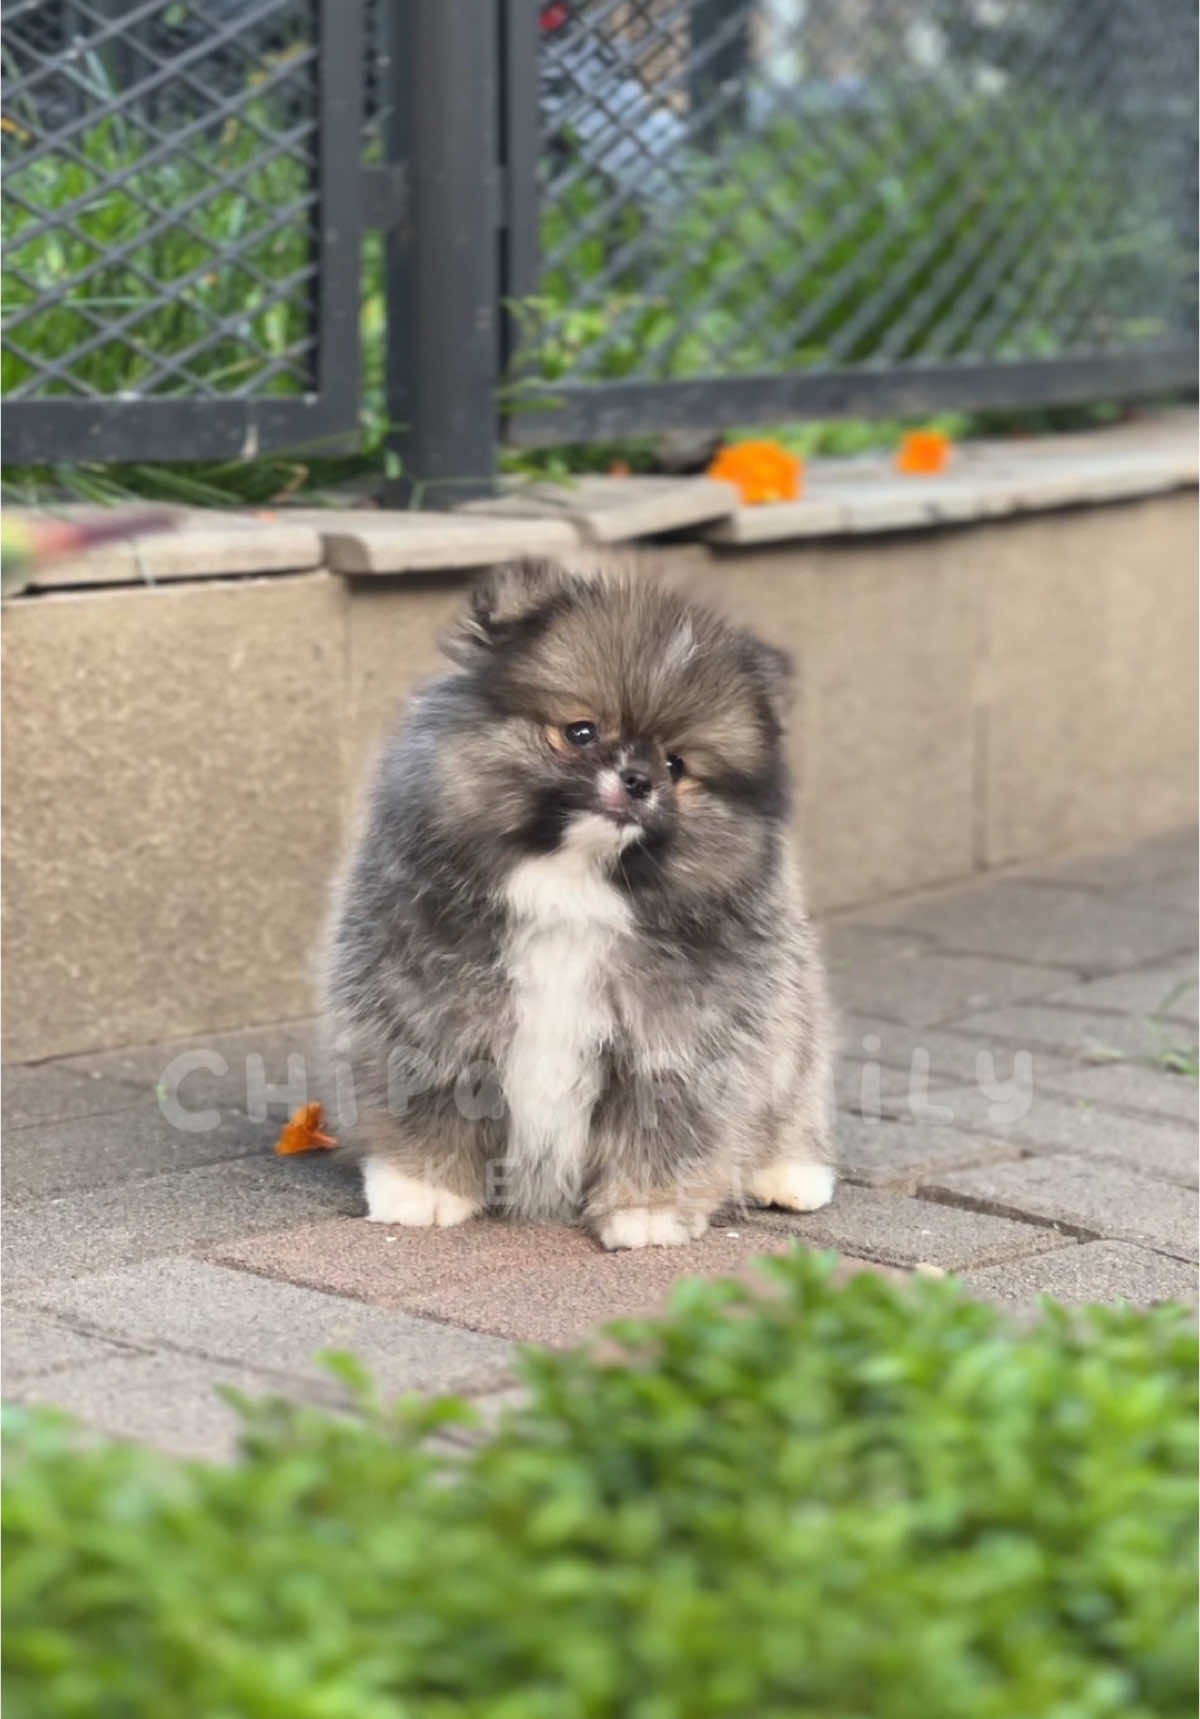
827 1499
111 324
859 238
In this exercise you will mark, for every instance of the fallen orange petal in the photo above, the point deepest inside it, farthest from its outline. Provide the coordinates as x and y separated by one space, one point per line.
303 1132
762 471
923 452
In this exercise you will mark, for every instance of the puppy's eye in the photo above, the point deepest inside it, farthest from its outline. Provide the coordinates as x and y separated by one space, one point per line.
581 733
675 766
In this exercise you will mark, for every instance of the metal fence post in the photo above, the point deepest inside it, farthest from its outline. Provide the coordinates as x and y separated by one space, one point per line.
717 74
442 263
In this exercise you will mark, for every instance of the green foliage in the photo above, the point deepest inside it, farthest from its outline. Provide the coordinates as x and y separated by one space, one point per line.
181 216
853 1502
987 228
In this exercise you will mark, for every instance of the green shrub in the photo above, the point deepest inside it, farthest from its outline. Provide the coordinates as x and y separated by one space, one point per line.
993 228
850 1502
216 233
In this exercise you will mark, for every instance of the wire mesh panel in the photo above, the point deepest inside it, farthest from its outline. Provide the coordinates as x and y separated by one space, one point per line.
892 201
180 239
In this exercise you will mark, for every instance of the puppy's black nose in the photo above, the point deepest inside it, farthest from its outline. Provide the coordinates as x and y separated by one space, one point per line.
635 782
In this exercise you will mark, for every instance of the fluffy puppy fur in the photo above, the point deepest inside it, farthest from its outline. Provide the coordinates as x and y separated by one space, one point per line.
569 968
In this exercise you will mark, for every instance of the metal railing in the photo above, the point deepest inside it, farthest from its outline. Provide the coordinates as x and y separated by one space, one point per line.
604 218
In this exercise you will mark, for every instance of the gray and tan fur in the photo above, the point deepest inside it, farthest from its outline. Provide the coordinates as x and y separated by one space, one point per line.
569 968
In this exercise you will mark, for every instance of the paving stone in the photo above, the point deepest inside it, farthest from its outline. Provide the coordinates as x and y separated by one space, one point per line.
491 1408
1081 1197
1020 921
190 1066
66 1157
533 1283
873 1087
1056 1106
871 1224
615 509
167 1401
1031 1120
232 1316
1089 1273
1082 1035
1167 989
909 980
378 540
1131 865
48 1092
946 1058
895 1154
183 1210
1179 892
1131 1086
34 1344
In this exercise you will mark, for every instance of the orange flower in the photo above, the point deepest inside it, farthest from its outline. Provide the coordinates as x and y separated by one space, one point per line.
303 1132
762 471
923 452
619 468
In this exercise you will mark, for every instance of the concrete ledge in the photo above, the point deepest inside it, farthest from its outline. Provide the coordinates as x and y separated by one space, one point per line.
372 540
616 509
202 544
845 497
986 480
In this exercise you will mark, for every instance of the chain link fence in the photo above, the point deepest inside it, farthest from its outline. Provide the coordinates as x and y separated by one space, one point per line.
604 217
737 188
162 196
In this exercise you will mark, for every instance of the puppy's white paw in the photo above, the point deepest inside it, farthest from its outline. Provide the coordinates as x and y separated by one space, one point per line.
394 1198
650 1226
798 1187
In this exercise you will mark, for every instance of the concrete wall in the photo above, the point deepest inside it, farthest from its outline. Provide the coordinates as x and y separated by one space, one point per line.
181 762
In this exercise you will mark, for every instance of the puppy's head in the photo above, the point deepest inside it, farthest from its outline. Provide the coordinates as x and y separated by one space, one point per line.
615 714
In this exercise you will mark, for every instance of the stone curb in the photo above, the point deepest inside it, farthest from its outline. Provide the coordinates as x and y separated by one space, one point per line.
203 544
616 509
846 497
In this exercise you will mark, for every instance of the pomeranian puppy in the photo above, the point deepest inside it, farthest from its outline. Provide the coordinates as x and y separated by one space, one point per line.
569 969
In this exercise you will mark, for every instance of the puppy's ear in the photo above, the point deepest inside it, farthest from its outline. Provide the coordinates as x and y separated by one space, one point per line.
498 602
776 674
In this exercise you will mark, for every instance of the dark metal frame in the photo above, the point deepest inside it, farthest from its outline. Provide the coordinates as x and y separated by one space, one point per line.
617 411
443 276
241 426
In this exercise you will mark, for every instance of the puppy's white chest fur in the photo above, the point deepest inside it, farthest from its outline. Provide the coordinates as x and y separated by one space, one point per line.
567 922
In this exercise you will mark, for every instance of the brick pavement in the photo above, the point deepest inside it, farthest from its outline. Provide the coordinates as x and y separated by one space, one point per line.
1011 1110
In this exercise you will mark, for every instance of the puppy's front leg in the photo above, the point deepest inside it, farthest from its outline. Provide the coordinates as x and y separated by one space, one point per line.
666 1224
424 1170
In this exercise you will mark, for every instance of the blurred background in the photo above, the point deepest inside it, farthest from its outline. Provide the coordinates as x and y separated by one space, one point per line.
358 239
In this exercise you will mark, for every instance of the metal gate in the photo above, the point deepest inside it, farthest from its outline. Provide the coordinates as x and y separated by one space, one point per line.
183 227
603 218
